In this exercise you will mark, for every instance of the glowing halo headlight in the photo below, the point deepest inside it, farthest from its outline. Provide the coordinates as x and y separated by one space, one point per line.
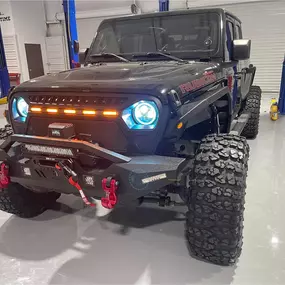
145 113
22 107
141 115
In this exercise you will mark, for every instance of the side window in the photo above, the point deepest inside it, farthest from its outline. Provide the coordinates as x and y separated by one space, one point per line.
230 30
238 32
230 37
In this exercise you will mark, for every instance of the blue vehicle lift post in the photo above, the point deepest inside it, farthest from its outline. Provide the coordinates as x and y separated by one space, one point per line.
281 102
4 75
163 5
71 30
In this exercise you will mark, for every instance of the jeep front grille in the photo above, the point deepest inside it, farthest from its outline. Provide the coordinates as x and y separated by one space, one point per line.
77 100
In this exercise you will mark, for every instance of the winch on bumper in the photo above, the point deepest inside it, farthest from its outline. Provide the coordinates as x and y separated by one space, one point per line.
55 164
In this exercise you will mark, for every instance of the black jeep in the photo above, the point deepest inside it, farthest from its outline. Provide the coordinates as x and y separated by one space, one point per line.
164 105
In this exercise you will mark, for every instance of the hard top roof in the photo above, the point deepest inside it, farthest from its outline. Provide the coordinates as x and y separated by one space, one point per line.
175 12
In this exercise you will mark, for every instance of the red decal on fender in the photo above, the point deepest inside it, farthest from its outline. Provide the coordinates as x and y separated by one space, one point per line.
198 83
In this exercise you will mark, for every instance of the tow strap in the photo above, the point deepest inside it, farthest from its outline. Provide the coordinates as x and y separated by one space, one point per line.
73 180
78 187
109 185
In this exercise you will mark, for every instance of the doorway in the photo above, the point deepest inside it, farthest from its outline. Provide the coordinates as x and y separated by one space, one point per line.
34 60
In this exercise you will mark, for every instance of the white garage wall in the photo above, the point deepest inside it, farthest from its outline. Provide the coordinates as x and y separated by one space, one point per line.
26 25
266 29
9 38
87 29
7 27
30 27
178 4
89 16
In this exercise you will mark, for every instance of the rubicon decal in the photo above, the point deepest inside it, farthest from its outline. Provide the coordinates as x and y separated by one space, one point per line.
198 83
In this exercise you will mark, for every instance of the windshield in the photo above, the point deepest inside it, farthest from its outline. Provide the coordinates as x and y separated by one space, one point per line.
185 35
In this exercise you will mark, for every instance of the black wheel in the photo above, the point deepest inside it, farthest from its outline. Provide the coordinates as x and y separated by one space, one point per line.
216 202
252 105
6 132
25 203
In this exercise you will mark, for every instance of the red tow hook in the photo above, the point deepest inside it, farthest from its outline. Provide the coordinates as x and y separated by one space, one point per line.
110 186
4 176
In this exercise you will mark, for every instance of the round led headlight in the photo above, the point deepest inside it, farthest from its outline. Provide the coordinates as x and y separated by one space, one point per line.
22 107
145 113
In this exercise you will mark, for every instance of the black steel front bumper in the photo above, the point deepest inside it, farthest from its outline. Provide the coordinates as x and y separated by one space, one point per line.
137 176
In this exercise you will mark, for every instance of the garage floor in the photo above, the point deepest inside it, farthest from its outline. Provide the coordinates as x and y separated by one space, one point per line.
68 245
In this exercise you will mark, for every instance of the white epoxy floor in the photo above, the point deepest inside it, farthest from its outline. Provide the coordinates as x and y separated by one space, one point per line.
68 245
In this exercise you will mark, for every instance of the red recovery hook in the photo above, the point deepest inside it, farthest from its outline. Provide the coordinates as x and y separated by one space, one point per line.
4 176
110 186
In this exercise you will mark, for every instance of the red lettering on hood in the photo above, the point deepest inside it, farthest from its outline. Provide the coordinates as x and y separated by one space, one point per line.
208 77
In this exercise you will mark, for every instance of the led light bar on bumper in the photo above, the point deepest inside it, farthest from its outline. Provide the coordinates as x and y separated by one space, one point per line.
141 115
40 149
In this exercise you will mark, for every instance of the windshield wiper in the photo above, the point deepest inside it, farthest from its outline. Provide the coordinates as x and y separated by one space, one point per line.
109 54
160 54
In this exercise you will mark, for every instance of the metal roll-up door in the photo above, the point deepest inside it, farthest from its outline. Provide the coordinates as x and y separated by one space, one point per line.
264 24
56 55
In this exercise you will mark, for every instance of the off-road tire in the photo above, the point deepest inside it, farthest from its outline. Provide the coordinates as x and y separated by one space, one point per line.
216 203
25 203
21 201
252 105
5 132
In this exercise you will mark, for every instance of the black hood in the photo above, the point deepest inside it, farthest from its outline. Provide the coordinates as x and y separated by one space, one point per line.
122 77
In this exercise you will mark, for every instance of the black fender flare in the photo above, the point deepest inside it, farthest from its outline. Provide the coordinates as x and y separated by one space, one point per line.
196 111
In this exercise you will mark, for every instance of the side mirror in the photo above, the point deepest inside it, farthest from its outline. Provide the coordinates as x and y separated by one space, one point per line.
76 47
86 53
241 49
82 56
